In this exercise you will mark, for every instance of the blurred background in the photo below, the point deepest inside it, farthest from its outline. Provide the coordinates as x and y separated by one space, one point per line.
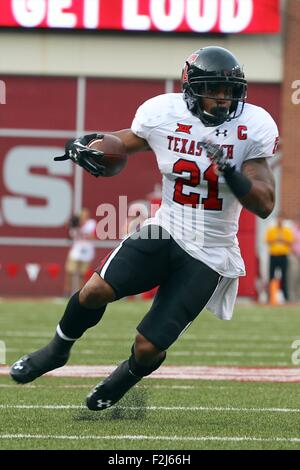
70 67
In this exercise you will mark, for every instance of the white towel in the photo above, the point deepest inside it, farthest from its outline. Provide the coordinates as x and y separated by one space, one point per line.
223 299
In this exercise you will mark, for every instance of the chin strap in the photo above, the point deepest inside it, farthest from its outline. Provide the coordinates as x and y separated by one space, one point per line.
211 120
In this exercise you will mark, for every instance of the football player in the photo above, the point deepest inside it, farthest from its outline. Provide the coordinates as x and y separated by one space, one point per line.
212 150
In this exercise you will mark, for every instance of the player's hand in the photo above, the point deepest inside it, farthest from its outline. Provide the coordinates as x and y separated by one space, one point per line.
78 151
216 154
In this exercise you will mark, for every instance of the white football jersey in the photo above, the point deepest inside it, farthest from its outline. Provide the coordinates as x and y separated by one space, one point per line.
198 209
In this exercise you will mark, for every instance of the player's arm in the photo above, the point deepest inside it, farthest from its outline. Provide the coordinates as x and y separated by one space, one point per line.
79 152
261 197
132 142
253 186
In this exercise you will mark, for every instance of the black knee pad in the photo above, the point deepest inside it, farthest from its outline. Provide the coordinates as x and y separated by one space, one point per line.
141 371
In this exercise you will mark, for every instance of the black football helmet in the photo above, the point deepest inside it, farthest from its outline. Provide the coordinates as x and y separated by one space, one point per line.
206 70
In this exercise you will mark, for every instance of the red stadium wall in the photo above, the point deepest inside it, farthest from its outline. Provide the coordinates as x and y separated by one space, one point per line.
38 196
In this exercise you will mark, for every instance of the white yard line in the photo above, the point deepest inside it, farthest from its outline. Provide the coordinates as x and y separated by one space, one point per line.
136 437
275 354
26 334
230 353
214 347
188 337
158 408
144 385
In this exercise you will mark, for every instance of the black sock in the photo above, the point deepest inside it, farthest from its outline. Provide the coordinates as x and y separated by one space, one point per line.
75 321
77 318
140 370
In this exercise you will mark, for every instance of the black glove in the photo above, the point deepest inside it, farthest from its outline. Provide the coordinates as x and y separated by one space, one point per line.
77 151
216 154
239 184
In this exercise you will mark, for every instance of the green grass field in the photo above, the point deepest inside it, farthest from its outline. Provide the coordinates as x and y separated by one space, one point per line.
159 413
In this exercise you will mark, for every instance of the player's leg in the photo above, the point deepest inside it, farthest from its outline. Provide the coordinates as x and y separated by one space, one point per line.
178 301
151 267
130 269
84 310
145 358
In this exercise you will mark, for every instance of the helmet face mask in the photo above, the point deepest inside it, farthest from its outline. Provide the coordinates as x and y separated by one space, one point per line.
210 90
213 73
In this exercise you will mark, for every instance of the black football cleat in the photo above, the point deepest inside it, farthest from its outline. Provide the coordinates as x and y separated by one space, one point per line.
112 389
32 366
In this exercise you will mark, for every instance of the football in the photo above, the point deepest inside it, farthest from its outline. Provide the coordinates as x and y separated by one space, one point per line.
115 157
